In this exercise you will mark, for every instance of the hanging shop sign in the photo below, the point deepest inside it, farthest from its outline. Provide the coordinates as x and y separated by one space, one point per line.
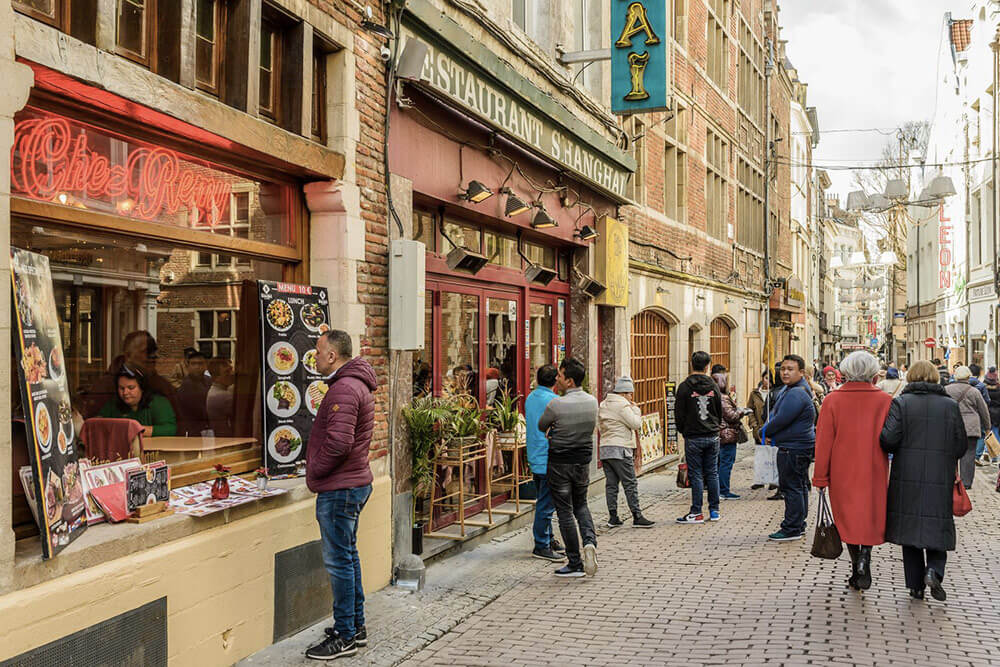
944 249
45 400
612 261
294 317
639 56
795 295
515 107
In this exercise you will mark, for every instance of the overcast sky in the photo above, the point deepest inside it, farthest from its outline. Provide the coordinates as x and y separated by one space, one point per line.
869 64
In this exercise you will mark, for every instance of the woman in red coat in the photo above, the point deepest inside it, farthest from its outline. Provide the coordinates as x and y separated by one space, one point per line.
851 463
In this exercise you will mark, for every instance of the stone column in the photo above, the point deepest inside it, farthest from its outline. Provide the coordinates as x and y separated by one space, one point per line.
18 79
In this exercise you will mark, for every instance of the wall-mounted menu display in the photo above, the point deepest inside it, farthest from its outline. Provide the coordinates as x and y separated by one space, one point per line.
293 317
670 395
45 399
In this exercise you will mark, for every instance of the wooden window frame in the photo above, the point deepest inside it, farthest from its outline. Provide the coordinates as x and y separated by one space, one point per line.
149 13
60 21
218 62
215 339
235 262
318 85
272 113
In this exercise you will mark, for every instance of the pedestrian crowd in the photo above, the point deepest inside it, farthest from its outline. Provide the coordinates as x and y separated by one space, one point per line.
894 448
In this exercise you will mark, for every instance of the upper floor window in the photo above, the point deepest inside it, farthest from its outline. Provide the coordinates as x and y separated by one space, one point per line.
209 44
718 42
321 53
134 17
532 17
270 69
679 20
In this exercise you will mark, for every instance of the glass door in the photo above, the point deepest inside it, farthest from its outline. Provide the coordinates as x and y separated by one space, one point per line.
501 347
547 333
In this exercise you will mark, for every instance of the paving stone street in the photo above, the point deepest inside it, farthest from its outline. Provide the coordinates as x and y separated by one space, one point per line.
716 594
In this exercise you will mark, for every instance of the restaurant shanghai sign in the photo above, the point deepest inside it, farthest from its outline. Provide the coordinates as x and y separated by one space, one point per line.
639 56
56 161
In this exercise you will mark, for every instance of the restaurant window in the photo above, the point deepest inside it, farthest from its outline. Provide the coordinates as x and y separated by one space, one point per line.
321 53
501 250
468 236
541 255
209 31
216 333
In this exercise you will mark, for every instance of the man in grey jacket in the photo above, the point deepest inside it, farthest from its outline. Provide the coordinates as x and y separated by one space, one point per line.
569 422
620 419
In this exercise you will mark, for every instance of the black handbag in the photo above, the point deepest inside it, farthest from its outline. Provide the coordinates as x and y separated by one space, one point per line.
826 542
742 435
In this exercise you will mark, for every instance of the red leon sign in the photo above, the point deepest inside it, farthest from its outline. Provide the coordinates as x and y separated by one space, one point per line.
944 250
53 161
930 342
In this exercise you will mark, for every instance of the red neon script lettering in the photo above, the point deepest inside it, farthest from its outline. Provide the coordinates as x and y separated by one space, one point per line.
50 161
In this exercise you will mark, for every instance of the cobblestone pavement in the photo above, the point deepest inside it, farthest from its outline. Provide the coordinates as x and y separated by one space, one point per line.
717 594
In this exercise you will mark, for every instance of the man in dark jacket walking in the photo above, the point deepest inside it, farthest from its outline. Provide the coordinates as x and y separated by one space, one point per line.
791 428
337 471
569 422
698 408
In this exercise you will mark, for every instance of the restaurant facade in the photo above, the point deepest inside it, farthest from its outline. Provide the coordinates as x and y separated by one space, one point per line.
513 186
164 159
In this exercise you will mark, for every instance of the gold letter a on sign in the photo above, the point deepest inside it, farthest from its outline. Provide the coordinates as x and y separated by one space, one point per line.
637 67
636 22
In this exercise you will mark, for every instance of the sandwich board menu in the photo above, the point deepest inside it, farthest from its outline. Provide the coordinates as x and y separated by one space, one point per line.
670 391
293 318
45 399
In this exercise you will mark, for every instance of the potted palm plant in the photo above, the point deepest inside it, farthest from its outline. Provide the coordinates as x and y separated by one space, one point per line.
464 424
425 417
504 417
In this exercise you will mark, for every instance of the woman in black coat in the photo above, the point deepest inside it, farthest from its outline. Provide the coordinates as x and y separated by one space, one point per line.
926 436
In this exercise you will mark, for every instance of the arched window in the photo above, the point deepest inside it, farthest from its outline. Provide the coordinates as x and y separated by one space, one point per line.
650 360
721 341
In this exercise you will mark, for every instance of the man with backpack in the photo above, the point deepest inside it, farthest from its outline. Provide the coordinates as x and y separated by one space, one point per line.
699 414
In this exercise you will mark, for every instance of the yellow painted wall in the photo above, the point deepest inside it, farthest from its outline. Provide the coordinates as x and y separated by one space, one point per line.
219 585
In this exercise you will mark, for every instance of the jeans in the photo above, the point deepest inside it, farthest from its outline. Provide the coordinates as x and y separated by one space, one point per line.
702 454
727 458
967 464
568 483
623 471
793 482
981 443
542 526
915 567
337 513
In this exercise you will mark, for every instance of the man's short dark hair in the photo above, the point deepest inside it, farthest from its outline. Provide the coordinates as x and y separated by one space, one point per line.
573 369
700 361
936 361
718 368
197 355
546 375
797 359
976 370
340 341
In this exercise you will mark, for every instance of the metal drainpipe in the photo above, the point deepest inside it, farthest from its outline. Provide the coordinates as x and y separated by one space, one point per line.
995 45
768 73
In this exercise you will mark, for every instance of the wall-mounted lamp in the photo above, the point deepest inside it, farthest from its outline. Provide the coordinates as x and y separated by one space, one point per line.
587 233
542 219
476 192
515 205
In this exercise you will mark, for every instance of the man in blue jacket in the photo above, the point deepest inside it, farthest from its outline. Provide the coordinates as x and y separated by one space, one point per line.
791 427
546 546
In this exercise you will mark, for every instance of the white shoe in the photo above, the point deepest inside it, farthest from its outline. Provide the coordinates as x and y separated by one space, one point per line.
590 559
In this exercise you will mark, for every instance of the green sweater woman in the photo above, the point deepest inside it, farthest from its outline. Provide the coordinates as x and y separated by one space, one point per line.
136 402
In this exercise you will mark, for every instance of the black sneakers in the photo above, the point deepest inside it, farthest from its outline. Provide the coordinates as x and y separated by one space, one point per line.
360 635
569 571
548 554
333 647
614 521
642 522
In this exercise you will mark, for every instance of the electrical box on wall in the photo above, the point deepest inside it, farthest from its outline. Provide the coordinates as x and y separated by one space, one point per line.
406 295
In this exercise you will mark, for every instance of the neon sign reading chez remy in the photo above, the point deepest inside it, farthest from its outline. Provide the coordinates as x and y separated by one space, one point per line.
52 162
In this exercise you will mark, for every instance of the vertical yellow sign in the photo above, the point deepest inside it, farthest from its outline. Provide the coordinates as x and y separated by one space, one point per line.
612 261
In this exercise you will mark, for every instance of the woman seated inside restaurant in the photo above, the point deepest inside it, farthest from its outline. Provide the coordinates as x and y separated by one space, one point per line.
136 401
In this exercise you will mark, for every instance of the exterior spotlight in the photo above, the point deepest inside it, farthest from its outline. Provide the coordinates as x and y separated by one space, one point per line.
542 219
461 259
369 24
515 205
476 192
590 286
587 233
539 274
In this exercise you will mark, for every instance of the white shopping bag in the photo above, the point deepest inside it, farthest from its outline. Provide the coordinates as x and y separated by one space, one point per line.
765 465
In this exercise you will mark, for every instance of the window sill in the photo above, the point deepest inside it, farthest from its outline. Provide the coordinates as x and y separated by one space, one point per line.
106 542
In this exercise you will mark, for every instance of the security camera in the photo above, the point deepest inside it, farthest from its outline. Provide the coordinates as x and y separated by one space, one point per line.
385 54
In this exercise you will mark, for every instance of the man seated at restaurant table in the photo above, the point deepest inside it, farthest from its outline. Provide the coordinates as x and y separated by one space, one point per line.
191 396
139 353
219 400
136 401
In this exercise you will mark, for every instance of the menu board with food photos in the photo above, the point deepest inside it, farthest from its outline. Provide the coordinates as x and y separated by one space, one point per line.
670 396
45 399
292 317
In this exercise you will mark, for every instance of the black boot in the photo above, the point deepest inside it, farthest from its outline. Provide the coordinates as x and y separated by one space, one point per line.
855 553
863 569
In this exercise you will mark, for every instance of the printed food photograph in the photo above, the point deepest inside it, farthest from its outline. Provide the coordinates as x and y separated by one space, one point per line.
61 442
24 301
309 361
312 316
65 412
282 358
34 365
43 426
279 315
73 489
283 400
56 365
314 395
53 496
284 444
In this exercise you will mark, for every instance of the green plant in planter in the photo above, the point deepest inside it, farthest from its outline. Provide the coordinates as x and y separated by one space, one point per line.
426 418
464 421
504 416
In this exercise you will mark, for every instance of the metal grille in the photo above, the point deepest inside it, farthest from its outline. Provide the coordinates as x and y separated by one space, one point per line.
137 638
720 342
302 594
650 360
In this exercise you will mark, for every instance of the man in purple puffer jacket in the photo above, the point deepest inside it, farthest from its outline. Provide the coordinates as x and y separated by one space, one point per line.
337 471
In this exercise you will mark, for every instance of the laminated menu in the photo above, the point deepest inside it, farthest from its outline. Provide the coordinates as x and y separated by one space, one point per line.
293 318
45 399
